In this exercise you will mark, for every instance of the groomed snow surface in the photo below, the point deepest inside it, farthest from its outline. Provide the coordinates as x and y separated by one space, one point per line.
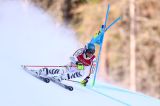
29 36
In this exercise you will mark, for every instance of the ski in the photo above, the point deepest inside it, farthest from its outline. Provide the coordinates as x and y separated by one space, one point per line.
98 39
56 81
47 79
34 74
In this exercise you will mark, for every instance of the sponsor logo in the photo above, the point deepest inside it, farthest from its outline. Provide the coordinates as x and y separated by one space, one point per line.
53 71
74 75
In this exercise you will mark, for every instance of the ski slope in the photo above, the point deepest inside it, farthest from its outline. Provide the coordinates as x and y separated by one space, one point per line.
30 36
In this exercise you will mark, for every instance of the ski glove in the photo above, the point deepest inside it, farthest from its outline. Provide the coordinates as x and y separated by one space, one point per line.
85 81
79 65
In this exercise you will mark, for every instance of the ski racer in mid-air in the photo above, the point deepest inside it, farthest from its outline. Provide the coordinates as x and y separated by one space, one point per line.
85 61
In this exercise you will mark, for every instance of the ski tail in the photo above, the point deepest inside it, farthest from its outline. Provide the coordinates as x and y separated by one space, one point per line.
106 19
47 79
100 39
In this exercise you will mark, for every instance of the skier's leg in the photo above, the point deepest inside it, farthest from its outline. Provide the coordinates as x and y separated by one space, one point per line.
49 72
72 74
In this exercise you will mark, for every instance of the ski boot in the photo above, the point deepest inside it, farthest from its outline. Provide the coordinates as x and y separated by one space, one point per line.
85 81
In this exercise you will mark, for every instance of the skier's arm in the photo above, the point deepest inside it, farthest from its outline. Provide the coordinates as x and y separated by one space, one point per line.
92 68
90 71
74 57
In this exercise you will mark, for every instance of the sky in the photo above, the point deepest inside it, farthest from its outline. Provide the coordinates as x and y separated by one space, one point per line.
30 36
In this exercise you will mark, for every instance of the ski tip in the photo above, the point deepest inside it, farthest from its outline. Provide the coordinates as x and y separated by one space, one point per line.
23 66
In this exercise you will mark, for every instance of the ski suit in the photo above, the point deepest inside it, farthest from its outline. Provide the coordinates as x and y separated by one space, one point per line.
88 63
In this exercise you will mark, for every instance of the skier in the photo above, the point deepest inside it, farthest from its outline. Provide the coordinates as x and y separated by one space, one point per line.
84 60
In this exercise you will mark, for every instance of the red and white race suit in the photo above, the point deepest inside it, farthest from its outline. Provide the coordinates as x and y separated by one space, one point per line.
89 65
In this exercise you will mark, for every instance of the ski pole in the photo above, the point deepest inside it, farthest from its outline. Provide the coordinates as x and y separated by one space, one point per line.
47 66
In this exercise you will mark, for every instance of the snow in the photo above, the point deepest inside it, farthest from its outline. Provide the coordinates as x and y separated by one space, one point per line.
30 36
